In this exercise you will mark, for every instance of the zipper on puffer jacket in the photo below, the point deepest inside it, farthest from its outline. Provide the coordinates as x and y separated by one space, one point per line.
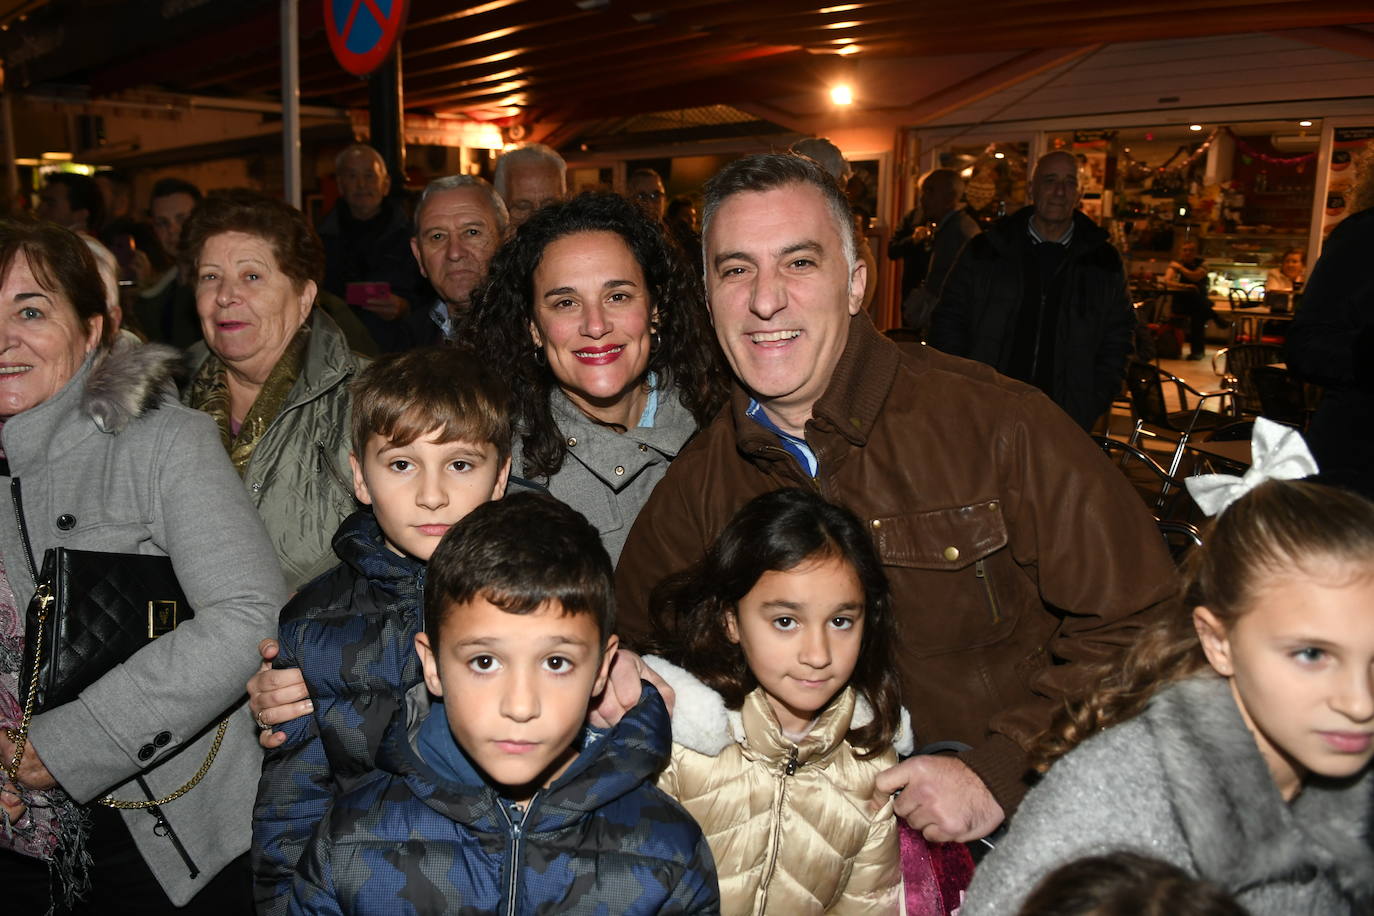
789 769
332 472
516 828
980 572
163 827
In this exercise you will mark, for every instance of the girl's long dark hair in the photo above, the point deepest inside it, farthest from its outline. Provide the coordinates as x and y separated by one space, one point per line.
776 532
686 358
1276 529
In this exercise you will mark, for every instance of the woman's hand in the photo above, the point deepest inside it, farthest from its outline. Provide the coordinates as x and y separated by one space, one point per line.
276 695
32 772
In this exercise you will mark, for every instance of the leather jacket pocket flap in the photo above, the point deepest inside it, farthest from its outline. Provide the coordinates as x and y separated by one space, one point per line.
941 539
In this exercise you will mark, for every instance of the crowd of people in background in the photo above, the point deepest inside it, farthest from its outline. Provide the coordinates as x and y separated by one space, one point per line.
579 554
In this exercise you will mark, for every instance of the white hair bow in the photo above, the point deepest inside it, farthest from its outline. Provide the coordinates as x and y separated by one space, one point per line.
1278 454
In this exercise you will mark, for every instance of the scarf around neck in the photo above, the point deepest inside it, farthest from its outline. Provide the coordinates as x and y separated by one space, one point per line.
210 393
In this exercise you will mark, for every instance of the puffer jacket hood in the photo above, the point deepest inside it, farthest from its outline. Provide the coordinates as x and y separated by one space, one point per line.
789 823
600 839
351 633
359 542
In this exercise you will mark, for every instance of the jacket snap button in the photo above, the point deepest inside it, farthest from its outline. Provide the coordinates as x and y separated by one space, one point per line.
619 472
66 522
951 553
992 506
162 739
572 440
257 487
877 523
643 447
146 752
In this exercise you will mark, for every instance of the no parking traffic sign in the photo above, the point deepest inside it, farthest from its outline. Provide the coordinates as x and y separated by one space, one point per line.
363 32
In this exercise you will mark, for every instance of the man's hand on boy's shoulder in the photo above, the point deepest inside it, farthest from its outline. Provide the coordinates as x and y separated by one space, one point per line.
623 688
276 695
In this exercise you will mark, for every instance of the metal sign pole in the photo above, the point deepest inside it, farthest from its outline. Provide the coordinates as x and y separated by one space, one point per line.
291 102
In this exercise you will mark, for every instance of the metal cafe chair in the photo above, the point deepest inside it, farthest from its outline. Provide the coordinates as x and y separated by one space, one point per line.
1181 538
1235 365
1160 489
1153 417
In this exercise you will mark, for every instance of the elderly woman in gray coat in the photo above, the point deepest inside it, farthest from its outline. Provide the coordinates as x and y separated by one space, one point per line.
613 366
106 459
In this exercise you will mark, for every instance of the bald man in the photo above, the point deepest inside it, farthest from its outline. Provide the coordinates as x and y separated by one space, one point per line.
367 255
945 226
1041 297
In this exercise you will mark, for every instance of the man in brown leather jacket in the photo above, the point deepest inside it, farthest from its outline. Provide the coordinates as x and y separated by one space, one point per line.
1014 551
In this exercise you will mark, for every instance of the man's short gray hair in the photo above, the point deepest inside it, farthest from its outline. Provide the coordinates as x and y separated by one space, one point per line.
770 171
453 183
529 154
826 153
363 149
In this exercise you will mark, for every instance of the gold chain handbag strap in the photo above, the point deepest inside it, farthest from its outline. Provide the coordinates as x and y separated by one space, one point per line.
20 735
110 802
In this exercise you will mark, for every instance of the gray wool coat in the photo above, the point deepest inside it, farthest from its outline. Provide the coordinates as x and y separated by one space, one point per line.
113 462
608 476
1184 782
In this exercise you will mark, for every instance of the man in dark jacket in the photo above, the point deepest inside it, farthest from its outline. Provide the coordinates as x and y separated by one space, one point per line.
367 240
1041 297
1015 553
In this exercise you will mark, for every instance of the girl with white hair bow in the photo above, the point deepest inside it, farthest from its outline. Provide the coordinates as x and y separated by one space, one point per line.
1235 738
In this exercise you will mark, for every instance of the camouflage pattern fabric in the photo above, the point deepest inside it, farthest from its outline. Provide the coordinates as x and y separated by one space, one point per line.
601 839
351 632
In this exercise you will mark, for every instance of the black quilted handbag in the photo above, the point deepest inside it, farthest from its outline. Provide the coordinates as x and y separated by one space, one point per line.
90 611
101 609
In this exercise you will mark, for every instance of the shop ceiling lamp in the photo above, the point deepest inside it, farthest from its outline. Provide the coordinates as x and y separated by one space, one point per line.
1195 127
1304 123
842 94
999 155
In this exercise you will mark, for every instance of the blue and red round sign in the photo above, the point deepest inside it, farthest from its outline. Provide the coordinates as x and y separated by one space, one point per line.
362 33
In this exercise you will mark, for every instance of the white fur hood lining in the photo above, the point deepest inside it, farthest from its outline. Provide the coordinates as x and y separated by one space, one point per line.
702 723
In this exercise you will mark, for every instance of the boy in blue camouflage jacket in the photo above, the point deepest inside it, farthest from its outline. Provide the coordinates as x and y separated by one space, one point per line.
431 441
504 801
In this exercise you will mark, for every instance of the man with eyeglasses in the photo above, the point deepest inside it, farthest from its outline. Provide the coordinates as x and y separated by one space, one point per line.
1041 297
645 188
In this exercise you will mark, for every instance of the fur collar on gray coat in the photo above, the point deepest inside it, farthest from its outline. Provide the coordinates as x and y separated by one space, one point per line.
128 381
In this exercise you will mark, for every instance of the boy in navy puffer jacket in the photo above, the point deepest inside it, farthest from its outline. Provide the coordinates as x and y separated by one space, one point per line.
504 801
431 441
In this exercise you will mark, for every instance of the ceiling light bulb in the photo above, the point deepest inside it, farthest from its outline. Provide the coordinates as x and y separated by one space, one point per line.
841 95
1304 123
999 155
1195 127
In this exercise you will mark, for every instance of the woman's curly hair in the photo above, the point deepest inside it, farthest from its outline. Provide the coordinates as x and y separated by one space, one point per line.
1279 528
687 359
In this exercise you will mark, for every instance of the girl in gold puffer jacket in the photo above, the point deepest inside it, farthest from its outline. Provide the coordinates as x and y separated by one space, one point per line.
779 646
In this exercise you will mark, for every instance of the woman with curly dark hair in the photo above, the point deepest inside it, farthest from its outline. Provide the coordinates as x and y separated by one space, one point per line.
603 333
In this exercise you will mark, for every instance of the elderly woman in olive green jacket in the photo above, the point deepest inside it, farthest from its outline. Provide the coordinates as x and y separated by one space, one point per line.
273 371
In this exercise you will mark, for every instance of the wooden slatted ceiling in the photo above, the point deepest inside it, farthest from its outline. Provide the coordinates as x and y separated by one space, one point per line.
562 59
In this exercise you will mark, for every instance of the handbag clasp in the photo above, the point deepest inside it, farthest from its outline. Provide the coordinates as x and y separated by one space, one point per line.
162 617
